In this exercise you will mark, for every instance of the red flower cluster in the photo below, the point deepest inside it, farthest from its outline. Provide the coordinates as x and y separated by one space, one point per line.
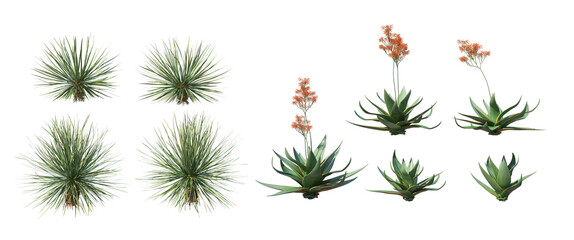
473 53
393 45
302 125
304 98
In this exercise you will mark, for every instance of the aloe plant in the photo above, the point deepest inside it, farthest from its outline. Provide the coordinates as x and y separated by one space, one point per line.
395 117
192 164
492 119
309 169
311 172
191 74
499 178
74 168
407 184
76 69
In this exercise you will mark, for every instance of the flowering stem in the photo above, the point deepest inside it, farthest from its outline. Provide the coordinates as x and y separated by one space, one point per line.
398 85
487 86
310 138
394 86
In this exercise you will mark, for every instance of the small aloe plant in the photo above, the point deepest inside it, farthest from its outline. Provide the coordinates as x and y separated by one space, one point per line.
310 169
191 74
192 164
395 117
407 184
74 168
499 178
493 119
76 69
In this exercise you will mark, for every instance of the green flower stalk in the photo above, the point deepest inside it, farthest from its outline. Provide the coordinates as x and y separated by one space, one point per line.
395 117
74 168
493 119
76 70
192 164
407 184
191 74
499 178
310 169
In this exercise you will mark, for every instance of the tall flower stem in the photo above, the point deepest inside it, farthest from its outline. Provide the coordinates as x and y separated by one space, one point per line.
398 85
487 86
309 133
394 85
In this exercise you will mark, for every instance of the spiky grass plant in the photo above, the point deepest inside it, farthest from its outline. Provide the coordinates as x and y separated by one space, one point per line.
493 120
74 168
310 170
499 178
407 184
76 69
193 165
180 75
396 116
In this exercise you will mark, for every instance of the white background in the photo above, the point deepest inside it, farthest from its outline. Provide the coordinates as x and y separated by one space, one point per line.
268 46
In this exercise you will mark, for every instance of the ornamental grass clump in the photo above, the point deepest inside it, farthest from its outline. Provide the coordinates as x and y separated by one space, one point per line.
310 168
74 168
407 184
76 69
192 164
395 117
182 75
493 119
499 178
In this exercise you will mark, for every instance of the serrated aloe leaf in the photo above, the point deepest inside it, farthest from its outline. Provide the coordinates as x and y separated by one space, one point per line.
313 178
485 187
301 161
396 185
328 163
404 100
503 177
490 180
337 171
287 173
312 162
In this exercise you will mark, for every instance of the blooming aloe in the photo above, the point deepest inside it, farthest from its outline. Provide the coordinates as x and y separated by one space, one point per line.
493 119
407 184
395 117
310 169
499 178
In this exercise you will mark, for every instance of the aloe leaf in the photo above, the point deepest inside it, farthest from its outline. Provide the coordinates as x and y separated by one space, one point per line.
485 187
501 116
511 189
371 127
521 128
337 171
477 110
512 163
287 173
404 101
425 127
490 180
494 109
294 165
382 111
415 104
492 169
386 191
478 119
527 176
320 150
395 184
380 98
278 187
314 178
349 174
503 177
312 162
366 119
468 127
387 123
327 165
389 102
365 110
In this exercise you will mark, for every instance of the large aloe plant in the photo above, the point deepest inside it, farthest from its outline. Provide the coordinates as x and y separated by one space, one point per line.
395 117
309 169
311 172
499 178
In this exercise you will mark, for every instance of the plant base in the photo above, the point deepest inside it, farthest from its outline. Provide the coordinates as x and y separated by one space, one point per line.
310 195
